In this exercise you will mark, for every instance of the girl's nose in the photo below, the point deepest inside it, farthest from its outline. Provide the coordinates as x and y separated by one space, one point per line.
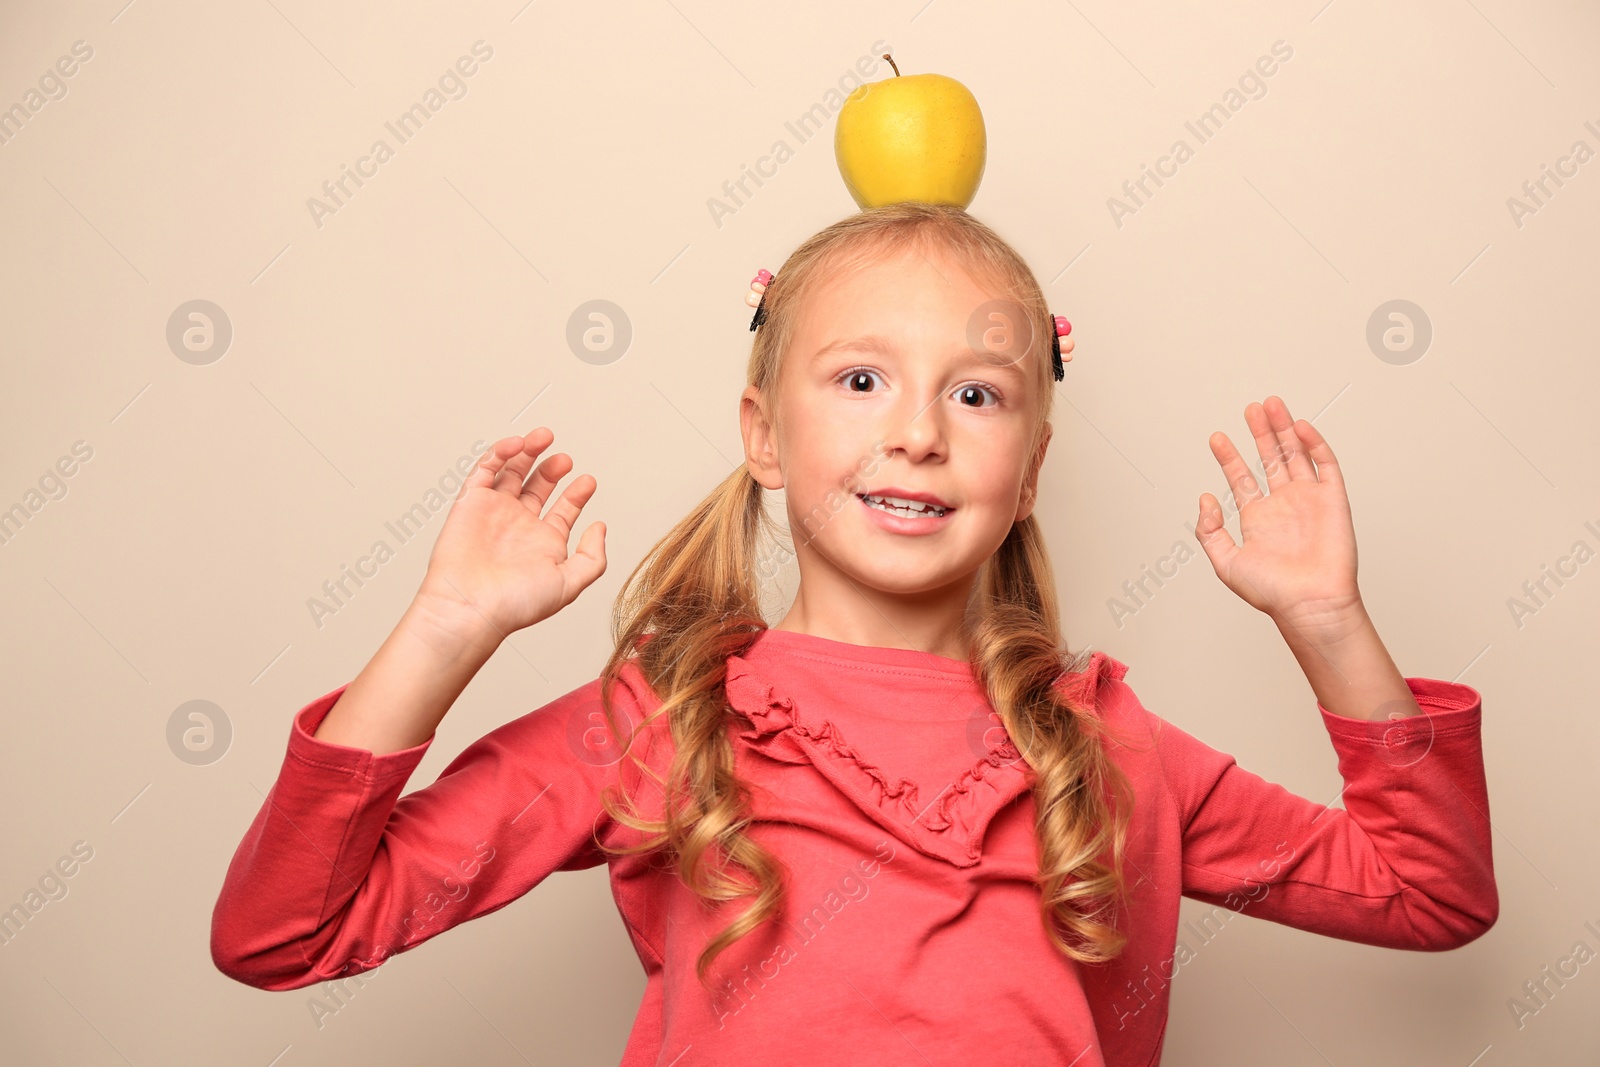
916 428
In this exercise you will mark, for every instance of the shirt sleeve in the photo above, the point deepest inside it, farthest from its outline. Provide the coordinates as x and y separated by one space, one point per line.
1406 863
336 874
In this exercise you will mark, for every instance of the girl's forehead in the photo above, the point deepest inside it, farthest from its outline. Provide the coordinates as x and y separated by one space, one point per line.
928 279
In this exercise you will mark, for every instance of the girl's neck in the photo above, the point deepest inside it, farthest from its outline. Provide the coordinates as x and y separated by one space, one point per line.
872 623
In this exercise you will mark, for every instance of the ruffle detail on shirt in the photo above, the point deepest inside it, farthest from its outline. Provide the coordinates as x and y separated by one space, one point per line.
1084 686
948 827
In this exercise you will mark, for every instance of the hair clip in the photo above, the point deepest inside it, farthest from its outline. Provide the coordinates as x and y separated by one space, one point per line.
1063 327
757 297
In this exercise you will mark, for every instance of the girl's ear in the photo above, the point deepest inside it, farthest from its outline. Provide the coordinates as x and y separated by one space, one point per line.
1030 487
760 454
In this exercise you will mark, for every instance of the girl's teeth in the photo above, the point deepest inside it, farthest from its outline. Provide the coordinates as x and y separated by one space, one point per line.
896 506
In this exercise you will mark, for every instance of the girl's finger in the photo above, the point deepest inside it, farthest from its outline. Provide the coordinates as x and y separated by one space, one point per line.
1282 424
1267 444
489 465
1240 480
545 477
588 560
1212 533
563 514
1318 449
516 467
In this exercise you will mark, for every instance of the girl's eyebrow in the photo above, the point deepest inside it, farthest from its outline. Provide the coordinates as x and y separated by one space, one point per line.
868 343
883 346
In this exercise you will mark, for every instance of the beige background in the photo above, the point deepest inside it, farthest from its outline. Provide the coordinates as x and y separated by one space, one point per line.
370 352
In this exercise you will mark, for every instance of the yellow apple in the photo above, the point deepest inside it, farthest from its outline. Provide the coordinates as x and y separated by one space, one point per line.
911 137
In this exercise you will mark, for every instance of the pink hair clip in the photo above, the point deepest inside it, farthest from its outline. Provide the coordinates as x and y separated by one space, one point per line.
1063 327
757 297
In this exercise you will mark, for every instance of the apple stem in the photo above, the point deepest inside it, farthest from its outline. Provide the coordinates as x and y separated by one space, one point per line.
890 58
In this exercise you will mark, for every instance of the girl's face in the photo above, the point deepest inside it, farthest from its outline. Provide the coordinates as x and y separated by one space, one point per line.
886 390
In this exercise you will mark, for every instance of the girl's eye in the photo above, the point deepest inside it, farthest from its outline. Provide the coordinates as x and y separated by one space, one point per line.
853 378
966 392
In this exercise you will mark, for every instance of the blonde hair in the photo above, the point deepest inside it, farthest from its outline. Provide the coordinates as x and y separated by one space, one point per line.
695 599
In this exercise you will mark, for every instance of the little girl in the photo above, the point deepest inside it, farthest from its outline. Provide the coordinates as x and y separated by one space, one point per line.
904 825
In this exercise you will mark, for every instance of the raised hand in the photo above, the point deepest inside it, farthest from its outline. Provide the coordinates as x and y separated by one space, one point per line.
1298 560
498 563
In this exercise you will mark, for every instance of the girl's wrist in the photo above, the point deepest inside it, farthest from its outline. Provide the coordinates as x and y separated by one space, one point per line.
453 630
414 678
1324 623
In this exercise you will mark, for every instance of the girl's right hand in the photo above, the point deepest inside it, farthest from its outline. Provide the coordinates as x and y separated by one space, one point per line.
498 565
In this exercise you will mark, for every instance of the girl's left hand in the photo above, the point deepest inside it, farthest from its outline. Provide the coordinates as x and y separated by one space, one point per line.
1298 560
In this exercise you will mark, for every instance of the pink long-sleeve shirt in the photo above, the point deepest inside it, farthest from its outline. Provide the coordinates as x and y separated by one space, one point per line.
901 810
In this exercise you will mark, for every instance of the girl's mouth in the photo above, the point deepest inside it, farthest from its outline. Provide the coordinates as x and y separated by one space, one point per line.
895 505
898 515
